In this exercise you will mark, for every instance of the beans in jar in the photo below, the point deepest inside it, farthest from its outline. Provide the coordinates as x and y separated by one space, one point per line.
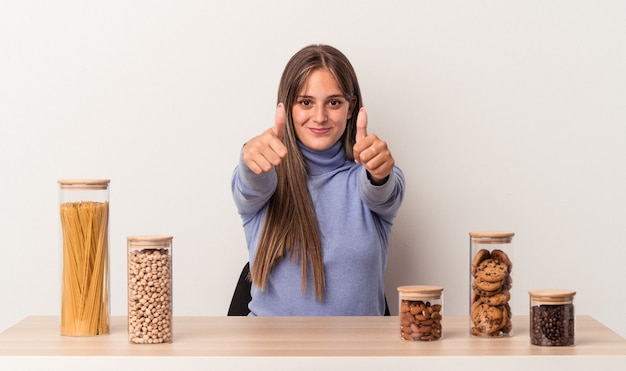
149 296
552 325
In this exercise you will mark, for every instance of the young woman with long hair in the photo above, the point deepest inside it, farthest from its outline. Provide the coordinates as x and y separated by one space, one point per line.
317 195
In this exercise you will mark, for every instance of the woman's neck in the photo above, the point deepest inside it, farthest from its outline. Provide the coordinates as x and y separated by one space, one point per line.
320 162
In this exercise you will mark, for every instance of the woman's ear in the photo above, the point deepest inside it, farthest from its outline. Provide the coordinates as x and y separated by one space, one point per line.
351 107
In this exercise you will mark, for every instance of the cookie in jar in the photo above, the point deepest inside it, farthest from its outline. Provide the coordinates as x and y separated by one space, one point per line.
491 281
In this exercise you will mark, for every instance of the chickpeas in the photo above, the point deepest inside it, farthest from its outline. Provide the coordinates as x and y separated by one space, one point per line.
149 296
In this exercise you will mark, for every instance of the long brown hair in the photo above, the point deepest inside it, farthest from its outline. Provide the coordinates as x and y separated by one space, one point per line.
291 224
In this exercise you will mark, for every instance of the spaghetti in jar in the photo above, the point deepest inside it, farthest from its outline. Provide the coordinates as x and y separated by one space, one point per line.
84 215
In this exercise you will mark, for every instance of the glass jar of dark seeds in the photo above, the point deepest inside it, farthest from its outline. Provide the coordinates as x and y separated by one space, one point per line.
552 320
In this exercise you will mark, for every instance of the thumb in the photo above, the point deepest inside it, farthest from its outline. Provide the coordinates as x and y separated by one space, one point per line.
361 124
280 120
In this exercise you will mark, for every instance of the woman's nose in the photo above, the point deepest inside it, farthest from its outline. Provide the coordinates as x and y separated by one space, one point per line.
320 114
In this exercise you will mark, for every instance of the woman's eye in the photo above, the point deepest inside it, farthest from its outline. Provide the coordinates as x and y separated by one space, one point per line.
305 102
335 103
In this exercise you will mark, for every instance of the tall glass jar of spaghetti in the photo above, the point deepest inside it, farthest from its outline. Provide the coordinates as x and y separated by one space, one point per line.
84 214
491 280
150 289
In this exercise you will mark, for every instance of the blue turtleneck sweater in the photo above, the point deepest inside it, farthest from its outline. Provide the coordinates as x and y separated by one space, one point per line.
355 219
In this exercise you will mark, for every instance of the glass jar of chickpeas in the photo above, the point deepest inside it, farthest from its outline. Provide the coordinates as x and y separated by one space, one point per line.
150 313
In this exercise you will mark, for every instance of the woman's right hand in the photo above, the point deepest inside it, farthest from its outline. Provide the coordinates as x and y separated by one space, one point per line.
267 150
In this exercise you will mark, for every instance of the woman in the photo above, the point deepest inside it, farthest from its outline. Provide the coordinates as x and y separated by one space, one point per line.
317 196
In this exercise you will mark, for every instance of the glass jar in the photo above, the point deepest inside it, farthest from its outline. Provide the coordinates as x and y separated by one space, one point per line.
150 290
491 256
420 313
552 320
84 215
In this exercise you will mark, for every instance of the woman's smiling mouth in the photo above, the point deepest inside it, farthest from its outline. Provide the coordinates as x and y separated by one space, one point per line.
319 131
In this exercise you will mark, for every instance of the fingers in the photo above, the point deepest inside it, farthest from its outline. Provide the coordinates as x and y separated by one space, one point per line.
280 120
361 124
376 158
361 133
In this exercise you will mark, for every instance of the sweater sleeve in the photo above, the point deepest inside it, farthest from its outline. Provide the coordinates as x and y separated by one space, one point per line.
252 191
384 199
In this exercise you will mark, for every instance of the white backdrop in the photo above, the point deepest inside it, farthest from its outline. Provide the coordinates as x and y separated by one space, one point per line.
503 116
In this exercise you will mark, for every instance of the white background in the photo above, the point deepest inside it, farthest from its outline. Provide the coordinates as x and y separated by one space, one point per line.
503 116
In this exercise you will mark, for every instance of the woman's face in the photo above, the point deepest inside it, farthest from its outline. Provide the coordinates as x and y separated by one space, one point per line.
321 111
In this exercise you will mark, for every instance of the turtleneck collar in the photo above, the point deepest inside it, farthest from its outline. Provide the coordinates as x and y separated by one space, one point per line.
320 162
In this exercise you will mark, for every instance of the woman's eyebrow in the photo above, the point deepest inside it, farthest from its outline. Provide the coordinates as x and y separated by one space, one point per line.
337 96
334 96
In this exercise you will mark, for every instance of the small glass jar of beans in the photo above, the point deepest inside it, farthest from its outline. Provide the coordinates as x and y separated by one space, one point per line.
552 320
420 312
150 289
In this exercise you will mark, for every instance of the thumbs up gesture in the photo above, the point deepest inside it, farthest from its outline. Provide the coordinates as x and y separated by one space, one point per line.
371 151
263 152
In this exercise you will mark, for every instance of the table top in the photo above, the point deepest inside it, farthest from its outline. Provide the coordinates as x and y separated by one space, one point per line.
299 336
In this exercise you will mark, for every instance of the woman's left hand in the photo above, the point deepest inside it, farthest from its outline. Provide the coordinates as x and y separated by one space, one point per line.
371 151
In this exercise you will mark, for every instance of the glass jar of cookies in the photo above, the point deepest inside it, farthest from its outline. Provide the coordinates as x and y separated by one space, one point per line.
420 312
552 320
84 215
150 290
491 257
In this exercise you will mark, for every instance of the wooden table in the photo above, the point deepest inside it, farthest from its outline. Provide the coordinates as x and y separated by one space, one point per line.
305 343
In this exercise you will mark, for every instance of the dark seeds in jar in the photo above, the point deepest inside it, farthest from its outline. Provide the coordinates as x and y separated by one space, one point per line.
419 320
552 325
